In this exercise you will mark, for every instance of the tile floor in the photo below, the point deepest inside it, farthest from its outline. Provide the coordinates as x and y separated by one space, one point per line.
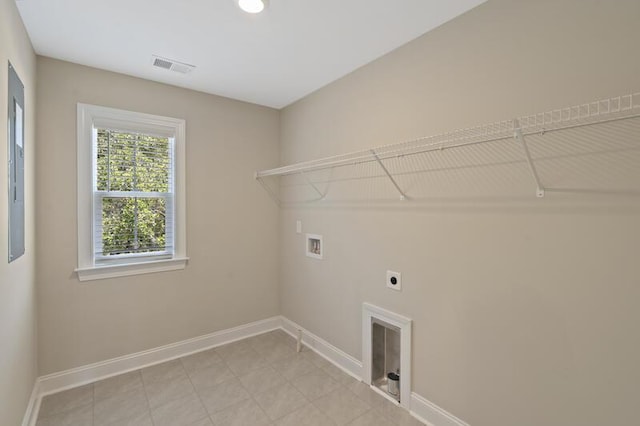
257 381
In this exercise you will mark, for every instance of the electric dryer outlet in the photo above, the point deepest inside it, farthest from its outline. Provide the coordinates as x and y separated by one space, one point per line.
394 280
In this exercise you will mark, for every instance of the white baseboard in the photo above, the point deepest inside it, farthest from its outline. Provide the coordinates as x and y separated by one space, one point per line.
31 413
56 382
430 413
340 359
100 370
422 409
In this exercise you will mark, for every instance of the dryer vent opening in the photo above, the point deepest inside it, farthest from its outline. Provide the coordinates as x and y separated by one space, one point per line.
385 358
386 349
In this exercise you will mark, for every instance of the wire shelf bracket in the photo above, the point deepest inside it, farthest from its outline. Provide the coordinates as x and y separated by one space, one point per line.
315 188
403 196
532 167
268 189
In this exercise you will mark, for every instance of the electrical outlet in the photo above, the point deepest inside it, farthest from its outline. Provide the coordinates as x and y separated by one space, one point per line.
394 280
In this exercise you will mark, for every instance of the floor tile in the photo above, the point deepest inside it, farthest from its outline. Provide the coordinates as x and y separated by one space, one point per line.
371 418
210 376
201 360
117 384
246 361
203 422
280 401
160 392
315 359
179 412
234 349
396 414
78 416
294 366
292 342
368 395
223 395
120 406
315 384
341 406
258 381
338 375
276 352
245 413
263 341
275 336
163 372
308 415
406 419
66 400
279 334
142 419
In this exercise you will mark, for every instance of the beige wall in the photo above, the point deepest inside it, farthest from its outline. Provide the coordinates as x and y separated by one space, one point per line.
525 312
18 348
232 225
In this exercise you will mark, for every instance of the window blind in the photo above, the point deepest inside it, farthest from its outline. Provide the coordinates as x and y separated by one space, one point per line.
133 195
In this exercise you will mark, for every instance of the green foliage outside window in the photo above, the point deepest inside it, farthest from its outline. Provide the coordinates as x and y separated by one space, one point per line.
130 162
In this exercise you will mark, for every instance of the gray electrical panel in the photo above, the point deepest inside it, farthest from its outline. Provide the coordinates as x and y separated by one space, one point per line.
16 165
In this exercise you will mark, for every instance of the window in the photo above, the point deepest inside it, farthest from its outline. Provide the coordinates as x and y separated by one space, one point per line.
131 217
133 195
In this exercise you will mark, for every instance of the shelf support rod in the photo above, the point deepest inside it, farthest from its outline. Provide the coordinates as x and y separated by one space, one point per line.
268 189
532 167
393 181
313 186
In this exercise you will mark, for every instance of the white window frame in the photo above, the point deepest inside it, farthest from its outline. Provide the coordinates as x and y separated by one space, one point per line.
91 117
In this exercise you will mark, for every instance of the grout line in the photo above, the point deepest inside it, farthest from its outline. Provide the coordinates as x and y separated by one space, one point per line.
93 405
194 387
144 389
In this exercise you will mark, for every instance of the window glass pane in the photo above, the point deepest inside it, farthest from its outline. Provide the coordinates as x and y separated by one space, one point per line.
132 162
133 225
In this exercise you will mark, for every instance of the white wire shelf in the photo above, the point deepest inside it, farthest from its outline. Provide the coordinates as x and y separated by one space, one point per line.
529 144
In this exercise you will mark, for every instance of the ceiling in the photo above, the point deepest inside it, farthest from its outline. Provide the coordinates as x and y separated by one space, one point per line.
274 58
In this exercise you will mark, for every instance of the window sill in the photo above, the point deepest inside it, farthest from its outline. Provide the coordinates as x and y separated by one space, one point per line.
114 271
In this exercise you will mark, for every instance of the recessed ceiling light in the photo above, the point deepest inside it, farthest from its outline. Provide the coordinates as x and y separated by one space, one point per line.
252 6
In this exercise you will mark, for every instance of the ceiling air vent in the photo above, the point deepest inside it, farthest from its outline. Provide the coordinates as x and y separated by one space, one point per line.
170 64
